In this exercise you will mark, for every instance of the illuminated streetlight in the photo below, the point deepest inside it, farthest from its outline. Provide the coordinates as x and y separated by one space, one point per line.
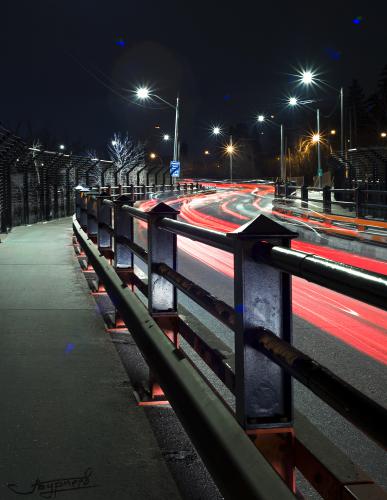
307 77
293 101
230 150
261 119
152 156
316 138
383 135
144 93
333 132
62 146
216 130
166 137
206 152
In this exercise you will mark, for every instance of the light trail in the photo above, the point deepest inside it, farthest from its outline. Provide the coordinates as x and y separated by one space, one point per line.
353 322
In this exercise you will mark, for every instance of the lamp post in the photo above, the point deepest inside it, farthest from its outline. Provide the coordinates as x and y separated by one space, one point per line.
144 93
294 101
308 77
230 149
262 119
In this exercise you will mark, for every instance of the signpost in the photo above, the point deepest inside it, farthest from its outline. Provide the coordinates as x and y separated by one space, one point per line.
174 168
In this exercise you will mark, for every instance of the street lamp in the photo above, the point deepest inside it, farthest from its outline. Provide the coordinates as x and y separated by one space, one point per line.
293 101
166 137
308 77
383 135
261 119
144 93
62 146
216 130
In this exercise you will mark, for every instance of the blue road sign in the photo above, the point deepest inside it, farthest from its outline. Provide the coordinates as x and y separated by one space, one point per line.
174 168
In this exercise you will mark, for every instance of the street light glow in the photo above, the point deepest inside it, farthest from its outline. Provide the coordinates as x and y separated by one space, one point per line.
316 138
216 130
114 143
61 146
142 93
333 132
206 152
307 77
230 149
383 135
293 101
152 156
166 137
261 118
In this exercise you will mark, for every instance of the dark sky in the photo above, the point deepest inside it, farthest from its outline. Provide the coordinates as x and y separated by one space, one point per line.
228 61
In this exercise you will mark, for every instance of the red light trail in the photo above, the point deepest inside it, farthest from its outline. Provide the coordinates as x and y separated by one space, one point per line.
359 325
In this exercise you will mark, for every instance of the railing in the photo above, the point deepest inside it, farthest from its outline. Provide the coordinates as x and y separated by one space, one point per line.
259 372
366 200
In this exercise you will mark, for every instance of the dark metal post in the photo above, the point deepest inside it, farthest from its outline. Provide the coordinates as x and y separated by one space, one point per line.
123 231
92 225
26 196
162 295
359 202
104 217
262 296
327 199
304 196
83 208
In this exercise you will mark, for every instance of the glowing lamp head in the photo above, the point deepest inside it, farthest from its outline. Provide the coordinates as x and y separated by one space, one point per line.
206 152
142 93
152 156
114 143
316 138
166 137
261 118
216 130
293 101
62 146
307 77
230 149
383 135
333 132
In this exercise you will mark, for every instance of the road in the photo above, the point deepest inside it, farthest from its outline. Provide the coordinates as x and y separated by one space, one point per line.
345 335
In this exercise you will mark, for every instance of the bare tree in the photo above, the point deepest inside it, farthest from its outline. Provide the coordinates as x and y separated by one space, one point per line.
127 155
94 170
36 147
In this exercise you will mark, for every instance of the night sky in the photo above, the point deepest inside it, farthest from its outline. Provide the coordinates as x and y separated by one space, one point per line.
229 61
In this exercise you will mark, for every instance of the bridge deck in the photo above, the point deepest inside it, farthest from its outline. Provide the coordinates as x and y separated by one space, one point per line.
67 404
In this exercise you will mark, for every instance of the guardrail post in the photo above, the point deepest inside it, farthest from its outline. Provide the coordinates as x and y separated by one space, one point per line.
263 392
359 202
82 193
104 217
162 295
123 230
92 225
327 200
304 196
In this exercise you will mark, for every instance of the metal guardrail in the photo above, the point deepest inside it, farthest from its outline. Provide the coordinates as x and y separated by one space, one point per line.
365 200
265 360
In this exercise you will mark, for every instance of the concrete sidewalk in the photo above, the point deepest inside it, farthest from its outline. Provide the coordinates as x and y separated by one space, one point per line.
68 418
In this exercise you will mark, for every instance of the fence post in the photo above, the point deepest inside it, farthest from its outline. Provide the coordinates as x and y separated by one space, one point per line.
262 295
104 234
304 196
123 231
162 296
359 202
92 225
327 200
26 197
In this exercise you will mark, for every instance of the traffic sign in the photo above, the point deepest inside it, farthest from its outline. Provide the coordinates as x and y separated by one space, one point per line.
174 168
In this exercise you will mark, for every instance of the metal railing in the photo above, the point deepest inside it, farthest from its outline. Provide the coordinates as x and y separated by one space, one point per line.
264 358
365 200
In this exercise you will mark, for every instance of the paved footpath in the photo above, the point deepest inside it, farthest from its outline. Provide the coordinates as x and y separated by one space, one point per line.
68 417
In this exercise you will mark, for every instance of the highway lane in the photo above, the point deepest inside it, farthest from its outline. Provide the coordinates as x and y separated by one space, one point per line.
347 336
